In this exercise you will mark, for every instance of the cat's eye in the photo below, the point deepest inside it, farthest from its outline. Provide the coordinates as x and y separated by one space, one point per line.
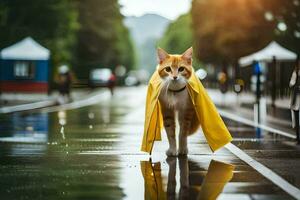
181 69
168 69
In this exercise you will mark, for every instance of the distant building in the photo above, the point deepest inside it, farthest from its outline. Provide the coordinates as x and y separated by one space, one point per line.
24 67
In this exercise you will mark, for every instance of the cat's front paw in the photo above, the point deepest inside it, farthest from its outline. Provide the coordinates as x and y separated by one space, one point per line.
171 152
183 151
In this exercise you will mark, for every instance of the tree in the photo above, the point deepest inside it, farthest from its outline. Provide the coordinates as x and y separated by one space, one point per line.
103 40
179 36
53 24
286 14
226 30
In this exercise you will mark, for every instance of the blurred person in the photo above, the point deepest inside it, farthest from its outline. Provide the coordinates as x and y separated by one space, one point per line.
112 83
295 97
64 80
223 82
120 73
223 85
258 74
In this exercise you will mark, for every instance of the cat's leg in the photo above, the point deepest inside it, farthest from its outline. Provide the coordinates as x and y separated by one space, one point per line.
184 178
171 187
185 118
182 150
169 124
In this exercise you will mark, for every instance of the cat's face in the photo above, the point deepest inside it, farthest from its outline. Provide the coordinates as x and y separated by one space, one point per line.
175 70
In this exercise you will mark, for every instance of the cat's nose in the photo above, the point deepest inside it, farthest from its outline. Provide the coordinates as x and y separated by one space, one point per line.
174 77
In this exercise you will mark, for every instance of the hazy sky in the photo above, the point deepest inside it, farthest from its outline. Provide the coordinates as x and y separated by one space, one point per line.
170 9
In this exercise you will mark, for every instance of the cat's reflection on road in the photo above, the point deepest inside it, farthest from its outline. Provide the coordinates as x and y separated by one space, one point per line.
194 184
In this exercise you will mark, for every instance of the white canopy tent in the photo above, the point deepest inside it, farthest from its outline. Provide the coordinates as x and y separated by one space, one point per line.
26 49
266 54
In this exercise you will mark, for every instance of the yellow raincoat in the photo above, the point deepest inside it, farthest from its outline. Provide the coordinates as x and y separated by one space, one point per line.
153 181
214 129
218 175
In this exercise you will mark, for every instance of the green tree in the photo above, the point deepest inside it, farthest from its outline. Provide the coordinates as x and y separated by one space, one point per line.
179 37
53 24
226 30
103 40
286 14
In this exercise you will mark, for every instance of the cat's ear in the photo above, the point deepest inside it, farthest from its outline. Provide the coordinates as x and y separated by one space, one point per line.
161 55
188 55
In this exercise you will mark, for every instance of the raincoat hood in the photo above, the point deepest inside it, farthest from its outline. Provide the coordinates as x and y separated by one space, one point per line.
213 127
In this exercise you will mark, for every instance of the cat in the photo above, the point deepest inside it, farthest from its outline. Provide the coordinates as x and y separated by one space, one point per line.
175 71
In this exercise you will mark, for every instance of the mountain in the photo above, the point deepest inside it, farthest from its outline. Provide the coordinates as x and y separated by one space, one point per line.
145 27
145 31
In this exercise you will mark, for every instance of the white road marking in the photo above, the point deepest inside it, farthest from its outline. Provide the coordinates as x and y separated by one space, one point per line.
80 103
266 172
47 106
29 106
251 123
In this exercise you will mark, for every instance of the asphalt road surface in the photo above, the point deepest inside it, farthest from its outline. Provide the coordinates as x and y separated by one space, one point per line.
91 150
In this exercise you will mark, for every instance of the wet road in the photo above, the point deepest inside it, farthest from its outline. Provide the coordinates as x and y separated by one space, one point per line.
92 152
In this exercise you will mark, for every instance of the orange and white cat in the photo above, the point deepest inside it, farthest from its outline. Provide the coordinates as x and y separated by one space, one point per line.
175 71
